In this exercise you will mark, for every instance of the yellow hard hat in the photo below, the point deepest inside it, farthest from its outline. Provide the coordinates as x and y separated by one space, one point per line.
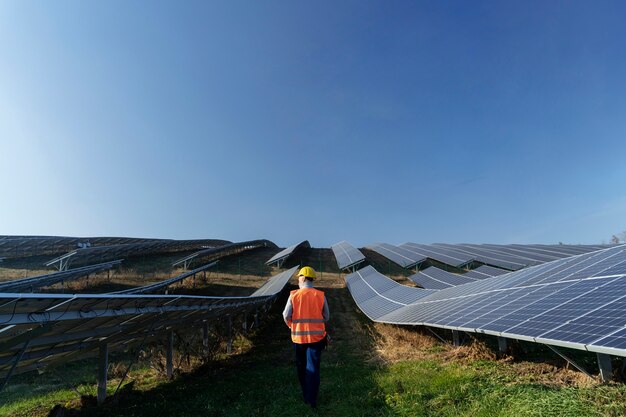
308 272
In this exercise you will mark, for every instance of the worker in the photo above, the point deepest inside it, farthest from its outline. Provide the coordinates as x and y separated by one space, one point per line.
306 313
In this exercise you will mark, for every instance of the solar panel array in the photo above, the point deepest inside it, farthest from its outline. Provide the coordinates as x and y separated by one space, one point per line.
102 253
225 250
43 329
401 256
577 302
443 255
347 256
284 254
509 257
21 246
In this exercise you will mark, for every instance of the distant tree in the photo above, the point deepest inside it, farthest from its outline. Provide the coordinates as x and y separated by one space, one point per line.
619 238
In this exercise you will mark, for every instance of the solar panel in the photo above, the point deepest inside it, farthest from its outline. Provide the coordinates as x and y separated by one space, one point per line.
443 255
32 283
488 257
576 302
435 278
485 271
275 284
400 256
347 256
284 254
159 285
226 250
376 295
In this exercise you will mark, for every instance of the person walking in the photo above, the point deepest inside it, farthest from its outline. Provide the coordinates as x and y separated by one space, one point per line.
306 313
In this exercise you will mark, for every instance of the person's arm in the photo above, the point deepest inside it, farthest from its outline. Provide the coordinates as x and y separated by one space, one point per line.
325 310
287 312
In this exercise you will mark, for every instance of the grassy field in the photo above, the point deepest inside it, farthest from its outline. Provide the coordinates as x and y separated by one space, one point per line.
370 370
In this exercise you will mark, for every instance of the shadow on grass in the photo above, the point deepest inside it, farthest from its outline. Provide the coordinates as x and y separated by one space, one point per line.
262 381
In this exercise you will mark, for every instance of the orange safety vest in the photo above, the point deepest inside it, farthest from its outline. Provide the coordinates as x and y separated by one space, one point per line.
307 322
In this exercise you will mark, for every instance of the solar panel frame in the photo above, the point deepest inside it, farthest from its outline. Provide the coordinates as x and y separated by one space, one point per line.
346 255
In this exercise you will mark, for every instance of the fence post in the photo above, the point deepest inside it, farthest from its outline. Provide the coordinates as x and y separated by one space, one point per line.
103 366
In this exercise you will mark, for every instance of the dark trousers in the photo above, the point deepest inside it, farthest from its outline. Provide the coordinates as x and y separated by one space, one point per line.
308 357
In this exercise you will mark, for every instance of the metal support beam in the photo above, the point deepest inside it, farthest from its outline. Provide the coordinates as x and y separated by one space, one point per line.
456 338
606 370
502 344
229 345
103 367
169 357
436 335
569 360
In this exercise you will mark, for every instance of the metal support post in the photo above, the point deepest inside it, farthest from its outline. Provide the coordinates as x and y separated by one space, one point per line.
229 345
245 323
606 370
169 357
256 318
205 334
456 338
17 360
502 344
103 367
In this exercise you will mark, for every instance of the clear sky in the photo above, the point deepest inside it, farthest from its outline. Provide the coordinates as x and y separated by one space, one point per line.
393 121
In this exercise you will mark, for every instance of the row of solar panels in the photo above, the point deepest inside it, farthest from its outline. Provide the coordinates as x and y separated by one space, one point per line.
437 279
40 281
511 257
20 246
31 284
99 253
44 329
577 302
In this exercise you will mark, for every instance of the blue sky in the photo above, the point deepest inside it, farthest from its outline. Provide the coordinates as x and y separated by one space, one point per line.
495 122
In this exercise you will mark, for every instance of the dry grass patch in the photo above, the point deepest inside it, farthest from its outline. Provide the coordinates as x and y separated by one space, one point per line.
546 374
395 344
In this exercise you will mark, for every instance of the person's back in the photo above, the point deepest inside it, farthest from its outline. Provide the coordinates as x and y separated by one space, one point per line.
306 313
307 318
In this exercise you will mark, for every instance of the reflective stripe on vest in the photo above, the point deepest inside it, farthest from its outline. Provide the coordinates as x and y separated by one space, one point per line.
307 321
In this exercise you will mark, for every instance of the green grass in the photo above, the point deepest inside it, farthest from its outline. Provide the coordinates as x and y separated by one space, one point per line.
432 388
